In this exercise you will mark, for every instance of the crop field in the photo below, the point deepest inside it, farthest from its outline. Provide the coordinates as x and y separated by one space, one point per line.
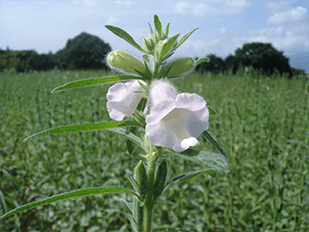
262 124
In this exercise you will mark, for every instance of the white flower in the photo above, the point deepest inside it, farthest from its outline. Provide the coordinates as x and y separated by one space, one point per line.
122 99
175 120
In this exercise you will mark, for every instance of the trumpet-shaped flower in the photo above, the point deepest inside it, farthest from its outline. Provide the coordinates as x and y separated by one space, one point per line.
177 120
122 99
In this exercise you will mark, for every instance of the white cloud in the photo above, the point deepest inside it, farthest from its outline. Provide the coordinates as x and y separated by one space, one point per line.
293 15
124 3
199 10
273 32
86 2
236 7
223 30
212 8
111 21
277 7
184 8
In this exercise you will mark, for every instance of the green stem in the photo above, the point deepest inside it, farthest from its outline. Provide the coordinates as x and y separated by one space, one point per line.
149 204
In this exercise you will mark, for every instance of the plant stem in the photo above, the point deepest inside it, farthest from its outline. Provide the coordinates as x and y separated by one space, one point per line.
149 204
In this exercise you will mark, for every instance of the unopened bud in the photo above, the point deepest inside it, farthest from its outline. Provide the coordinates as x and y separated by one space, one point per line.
125 62
178 67
148 43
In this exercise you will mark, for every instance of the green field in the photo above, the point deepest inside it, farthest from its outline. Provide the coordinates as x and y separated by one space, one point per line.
262 123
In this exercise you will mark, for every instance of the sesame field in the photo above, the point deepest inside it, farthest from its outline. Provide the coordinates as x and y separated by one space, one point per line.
262 123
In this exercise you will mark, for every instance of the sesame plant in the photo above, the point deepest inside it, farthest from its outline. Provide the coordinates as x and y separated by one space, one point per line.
146 109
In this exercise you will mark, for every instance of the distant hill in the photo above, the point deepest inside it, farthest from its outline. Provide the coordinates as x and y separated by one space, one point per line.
300 60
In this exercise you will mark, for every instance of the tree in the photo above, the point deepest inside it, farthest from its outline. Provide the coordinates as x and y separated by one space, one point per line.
262 56
85 51
229 62
215 64
40 62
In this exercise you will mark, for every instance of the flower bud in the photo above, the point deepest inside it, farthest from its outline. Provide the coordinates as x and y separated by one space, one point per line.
148 43
178 67
125 62
159 47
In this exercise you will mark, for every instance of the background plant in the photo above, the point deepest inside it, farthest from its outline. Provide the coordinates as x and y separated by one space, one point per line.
63 163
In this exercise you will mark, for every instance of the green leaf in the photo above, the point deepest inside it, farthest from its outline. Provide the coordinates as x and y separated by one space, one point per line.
170 229
85 127
148 71
167 30
94 81
167 47
130 143
68 195
188 176
211 110
12 179
158 26
215 144
129 135
3 203
185 37
150 28
124 35
160 179
213 160
201 60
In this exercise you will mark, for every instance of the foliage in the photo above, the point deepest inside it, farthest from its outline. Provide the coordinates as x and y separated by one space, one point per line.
265 190
263 56
215 65
84 51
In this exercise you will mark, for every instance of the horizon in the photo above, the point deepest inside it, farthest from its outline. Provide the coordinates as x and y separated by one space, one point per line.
223 25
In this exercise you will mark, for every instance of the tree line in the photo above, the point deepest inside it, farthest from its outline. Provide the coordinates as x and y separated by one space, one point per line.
87 51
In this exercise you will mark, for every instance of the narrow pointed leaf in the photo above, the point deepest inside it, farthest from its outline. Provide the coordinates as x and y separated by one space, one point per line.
185 37
167 30
170 229
158 25
211 110
148 71
201 60
130 143
188 176
212 160
3 203
167 48
12 179
124 35
86 127
129 135
215 144
150 28
94 81
68 195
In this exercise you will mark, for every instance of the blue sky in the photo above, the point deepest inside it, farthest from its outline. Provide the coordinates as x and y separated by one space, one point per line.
224 25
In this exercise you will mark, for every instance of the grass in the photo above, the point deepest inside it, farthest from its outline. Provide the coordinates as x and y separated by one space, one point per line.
262 123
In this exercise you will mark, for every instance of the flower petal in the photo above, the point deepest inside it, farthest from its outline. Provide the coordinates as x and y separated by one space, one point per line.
159 135
122 99
175 120
189 142
161 90
160 110
190 101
